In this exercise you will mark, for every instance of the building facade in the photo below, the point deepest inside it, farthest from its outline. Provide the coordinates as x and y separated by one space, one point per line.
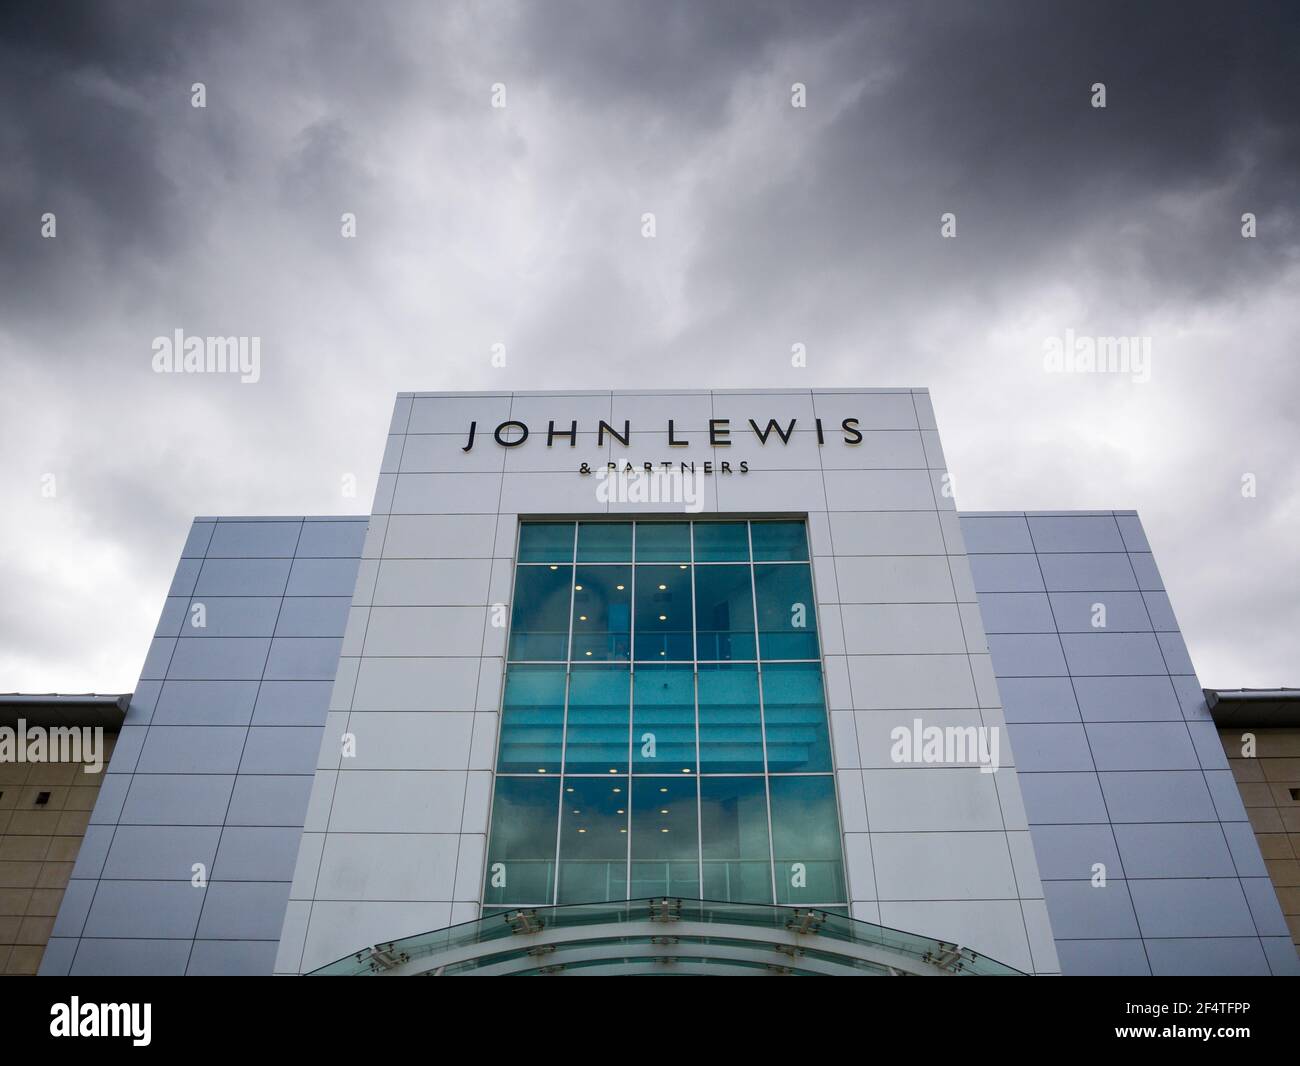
597 648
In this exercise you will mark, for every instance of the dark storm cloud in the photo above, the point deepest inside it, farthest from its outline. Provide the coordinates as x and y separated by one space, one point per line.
987 115
81 136
522 226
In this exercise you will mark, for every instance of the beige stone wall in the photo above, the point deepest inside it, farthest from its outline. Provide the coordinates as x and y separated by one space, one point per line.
1270 789
38 846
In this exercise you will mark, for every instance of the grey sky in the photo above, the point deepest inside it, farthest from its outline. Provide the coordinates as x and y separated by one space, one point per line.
522 225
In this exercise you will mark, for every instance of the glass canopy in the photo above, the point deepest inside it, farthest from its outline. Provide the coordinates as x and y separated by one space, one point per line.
666 936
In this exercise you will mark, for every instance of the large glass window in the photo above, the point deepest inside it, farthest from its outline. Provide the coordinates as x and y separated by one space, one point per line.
787 615
663 613
602 613
539 623
521 860
663 721
806 840
724 613
596 740
593 840
731 721
532 720
663 542
665 838
733 827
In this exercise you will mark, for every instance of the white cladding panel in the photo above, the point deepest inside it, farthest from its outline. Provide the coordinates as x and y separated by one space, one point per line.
397 835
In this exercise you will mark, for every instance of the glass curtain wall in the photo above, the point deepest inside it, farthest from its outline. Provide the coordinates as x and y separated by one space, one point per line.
663 726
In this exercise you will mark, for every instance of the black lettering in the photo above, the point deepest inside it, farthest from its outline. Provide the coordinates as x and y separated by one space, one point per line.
726 467
744 466
511 443
849 425
719 432
821 437
623 438
673 442
552 433
470 443
763 434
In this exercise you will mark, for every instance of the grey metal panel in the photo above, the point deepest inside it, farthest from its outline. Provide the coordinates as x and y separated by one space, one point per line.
205 702
256 853
322 577
129 958
292 703
191 750
1157 796
332 540
177 799
1075 533
1080 910
172 799
144 910
303 658
1103 958
1127 699
253 540
281 750
1148 760
219 659
160 852
313 616
230 616
1199 955
984 534
1038 699
234 958
242 577
1016 612
260 799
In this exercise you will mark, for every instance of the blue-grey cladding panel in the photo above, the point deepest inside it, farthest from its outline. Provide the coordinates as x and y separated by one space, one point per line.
1148 863
215 766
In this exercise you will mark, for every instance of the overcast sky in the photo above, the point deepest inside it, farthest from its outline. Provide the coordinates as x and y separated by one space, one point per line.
521 225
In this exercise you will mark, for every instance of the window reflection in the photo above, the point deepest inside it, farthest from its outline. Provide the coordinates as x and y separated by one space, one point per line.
593 840
663 720
663 614
652 669
602 613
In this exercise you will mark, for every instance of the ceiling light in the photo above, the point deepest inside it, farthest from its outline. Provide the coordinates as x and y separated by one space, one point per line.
663 588
619 587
